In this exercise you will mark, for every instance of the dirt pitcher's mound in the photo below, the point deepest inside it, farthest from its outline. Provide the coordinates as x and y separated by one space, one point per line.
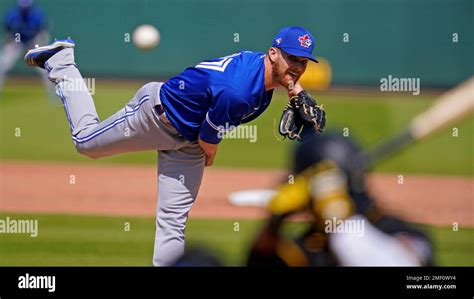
132 191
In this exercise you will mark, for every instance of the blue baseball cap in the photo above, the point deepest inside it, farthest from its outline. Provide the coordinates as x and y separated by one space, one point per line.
295 41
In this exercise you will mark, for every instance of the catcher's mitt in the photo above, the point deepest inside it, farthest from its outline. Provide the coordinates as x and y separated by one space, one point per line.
301 111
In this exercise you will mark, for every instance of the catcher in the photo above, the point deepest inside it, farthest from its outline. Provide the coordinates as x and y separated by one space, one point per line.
347 229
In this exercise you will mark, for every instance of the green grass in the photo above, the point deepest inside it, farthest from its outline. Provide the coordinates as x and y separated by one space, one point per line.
371 118
66 240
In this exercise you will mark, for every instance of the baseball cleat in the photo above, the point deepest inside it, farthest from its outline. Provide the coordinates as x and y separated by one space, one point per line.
39 55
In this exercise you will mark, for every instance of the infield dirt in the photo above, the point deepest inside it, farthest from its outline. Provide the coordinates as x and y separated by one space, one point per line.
131 190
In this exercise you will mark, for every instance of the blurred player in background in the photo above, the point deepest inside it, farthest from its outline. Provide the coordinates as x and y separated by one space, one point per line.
25 26
347 228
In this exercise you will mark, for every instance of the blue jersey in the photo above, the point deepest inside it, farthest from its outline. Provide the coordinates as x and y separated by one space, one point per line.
216 95
27 24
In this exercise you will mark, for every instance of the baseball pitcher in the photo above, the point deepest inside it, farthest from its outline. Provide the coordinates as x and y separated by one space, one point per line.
184 119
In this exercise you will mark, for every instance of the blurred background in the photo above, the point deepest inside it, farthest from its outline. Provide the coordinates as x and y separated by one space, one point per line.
359 43
362 40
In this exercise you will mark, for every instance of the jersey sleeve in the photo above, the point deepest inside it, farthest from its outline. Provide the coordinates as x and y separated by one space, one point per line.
224 115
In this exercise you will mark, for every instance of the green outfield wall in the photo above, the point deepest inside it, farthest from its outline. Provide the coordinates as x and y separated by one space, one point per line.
427 39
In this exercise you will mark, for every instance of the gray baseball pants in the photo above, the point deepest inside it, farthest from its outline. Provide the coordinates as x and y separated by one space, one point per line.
136 127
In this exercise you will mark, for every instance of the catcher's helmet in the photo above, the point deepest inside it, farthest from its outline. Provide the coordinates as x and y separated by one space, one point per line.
342 151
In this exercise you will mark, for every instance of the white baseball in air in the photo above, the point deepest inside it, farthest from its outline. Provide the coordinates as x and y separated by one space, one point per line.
146 37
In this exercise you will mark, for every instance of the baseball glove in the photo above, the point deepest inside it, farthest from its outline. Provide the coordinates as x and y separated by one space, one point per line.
301 111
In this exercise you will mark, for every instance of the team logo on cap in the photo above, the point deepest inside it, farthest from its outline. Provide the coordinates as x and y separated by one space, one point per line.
305 41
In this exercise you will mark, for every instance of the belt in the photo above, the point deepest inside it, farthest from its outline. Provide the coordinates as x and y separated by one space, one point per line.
162 115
